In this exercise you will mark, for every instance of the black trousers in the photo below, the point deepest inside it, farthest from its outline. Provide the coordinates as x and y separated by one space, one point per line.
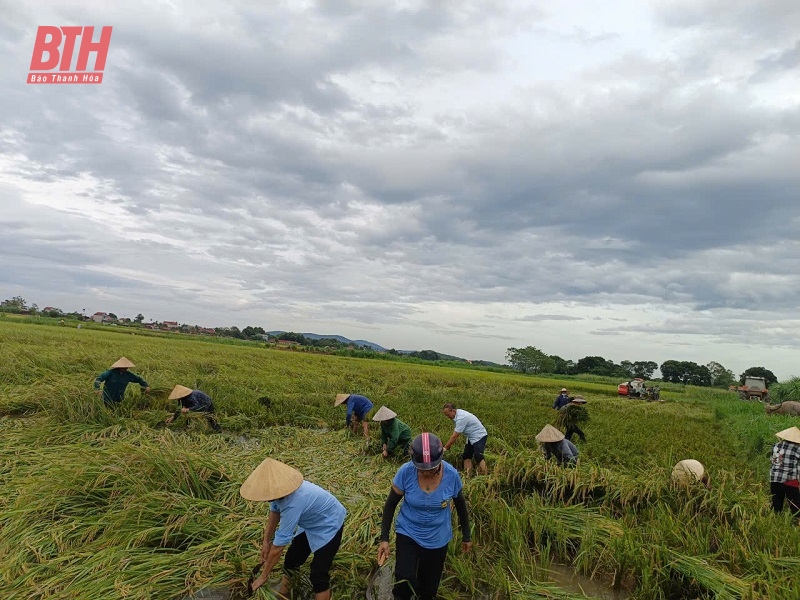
781 492
298 553
417 570
573 429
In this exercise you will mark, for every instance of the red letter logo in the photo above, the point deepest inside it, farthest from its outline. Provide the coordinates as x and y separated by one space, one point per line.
42 45
48 41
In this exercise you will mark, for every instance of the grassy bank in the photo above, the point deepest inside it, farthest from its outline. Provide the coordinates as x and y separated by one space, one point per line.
102 504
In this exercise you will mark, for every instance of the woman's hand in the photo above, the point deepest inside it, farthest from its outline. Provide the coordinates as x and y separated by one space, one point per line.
383 553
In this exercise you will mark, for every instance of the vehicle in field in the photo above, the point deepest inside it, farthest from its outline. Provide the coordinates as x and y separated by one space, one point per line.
754 388
634 388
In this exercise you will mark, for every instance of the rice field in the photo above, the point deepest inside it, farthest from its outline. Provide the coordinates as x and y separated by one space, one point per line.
108 504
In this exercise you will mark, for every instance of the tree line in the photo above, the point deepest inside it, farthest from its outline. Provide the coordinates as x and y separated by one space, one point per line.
535 361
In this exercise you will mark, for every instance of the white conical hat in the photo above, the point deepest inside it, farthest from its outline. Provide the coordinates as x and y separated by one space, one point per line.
179 391
579 400
384 414
549 434
790 435
340 398
688 470
123 363
271 480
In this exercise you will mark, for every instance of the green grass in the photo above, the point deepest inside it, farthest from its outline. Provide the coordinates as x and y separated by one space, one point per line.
104 504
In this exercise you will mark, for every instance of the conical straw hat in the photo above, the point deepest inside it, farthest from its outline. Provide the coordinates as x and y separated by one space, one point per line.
384 414
123 363
579 400
179 391
688 470
549 434
341 398
790 435
271 480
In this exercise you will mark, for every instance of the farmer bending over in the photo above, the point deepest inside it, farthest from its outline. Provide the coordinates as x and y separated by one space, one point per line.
555 445
395 435
115 380
196 401
473 430
302 513
358 406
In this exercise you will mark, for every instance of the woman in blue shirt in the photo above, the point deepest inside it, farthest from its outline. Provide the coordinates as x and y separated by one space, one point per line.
302 513
427 485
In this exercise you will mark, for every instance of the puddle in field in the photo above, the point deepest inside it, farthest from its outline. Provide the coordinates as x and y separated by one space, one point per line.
568 580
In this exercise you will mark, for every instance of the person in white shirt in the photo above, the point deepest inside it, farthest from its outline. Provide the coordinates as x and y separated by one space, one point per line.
468 424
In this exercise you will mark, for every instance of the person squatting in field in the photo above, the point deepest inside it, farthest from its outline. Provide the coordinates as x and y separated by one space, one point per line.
784 475
196 401
428 486
395 435
302 513
358 407
115 380
473 430
689 471
555 445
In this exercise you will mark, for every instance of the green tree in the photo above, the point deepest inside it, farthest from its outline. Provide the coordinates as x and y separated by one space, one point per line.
720 376
768 375
14 305
139 318
529 360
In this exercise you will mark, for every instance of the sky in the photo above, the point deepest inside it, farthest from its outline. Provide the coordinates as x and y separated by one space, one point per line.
615 178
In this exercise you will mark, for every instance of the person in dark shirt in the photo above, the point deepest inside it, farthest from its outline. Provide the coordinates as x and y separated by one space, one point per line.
555 445
562 399
196 401
358 407
115 380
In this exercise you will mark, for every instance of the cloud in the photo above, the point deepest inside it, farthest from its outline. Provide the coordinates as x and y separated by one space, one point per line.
466 175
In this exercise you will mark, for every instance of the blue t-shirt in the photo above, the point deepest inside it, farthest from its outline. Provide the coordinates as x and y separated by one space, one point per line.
360 405
311 509
425 517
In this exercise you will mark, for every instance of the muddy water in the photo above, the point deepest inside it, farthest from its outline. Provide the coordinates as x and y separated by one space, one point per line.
568 580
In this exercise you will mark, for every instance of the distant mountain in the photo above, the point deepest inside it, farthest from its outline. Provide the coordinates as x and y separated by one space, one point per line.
339 338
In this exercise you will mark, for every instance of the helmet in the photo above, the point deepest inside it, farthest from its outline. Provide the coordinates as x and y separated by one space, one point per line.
426 451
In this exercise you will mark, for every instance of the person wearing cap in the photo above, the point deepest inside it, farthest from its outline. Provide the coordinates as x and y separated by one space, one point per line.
115 380
193 400
784 475
555 445
572 414
303 515
428 486
395 435
561 400
358 406
689 471
473 430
